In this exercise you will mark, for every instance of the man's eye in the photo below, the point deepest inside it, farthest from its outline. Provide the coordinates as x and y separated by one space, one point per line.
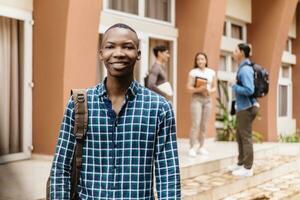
109 47
129 47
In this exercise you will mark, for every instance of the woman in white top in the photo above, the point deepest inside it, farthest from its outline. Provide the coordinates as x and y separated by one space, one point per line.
201 83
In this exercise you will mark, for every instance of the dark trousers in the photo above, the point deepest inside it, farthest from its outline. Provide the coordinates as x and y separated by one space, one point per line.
244 136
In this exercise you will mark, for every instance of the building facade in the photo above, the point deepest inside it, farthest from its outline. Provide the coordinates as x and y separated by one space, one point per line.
56 45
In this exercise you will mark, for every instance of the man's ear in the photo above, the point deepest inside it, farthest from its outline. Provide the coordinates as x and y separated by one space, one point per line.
100 54
139 55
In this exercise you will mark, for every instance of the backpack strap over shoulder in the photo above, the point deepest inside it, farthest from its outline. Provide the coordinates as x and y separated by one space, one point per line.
79 97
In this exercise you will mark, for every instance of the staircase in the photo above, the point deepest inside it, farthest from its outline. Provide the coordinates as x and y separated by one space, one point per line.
276 173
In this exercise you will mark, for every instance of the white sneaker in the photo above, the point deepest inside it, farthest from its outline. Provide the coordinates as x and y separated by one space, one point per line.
202 151
192 152
243 172
234 167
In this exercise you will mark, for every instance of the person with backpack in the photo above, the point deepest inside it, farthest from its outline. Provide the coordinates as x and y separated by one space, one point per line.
130 134
158 72
246 110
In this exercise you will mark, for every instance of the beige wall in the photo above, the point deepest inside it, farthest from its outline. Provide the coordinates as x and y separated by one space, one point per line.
20 4
65 40
239 9
268 34
202 33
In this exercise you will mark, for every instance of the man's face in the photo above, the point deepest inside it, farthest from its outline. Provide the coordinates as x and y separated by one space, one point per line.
237 54
164 55
119 52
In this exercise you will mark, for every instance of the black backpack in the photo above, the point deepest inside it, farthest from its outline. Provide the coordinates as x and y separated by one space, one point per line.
261 81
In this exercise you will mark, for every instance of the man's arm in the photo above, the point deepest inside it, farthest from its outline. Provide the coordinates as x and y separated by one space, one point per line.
247 80
166 157
61 166
153 76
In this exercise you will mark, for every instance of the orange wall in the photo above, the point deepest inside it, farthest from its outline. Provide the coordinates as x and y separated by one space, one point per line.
296 71
65 37
268 33
200 25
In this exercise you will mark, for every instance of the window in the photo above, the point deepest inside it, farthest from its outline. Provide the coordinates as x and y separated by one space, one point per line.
222 65
236 31
227 63
161 10
224 29
128 6
225 74
288 45
11 98
234 65
285 72
283 100
158 9
16 98
285 91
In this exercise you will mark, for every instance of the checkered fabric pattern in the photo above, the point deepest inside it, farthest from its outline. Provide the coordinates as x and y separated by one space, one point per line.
121 152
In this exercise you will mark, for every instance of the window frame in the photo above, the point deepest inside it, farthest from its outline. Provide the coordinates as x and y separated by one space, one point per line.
26 18
227 75
286 82
228 30
141 13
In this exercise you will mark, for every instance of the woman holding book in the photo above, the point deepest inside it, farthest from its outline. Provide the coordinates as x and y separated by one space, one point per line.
201 84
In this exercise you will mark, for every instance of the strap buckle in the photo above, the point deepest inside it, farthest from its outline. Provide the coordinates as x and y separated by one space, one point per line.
80 98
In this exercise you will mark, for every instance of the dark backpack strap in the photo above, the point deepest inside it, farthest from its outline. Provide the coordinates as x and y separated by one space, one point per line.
80 127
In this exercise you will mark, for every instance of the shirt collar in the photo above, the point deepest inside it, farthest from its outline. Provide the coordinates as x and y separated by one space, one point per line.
131 91
245 62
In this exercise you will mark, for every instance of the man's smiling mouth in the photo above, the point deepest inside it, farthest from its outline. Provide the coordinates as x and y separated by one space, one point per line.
119 65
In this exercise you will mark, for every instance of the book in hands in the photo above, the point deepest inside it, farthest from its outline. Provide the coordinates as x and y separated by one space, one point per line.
199 82
166 88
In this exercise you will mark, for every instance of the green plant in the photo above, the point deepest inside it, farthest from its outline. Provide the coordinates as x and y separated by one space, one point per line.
226 130
227 123
292 138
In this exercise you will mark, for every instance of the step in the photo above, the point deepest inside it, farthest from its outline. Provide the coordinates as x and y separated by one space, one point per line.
220 184
283 187
221 155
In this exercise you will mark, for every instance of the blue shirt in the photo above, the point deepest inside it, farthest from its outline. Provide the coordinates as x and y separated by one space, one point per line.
245 89
120 152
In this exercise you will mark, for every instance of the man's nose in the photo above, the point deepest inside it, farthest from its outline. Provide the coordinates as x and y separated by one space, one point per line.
118 52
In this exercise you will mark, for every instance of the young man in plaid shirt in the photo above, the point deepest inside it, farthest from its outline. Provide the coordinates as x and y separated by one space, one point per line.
131 133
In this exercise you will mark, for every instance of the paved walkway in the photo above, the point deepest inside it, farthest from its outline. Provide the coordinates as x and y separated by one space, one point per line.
26 180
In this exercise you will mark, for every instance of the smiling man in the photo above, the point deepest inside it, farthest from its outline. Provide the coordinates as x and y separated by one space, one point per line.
131 132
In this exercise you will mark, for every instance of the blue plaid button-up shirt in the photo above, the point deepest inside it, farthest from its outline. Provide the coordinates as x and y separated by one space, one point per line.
120 151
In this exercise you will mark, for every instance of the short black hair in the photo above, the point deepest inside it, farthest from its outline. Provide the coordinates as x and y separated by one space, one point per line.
159 48
244 47
121 25
124 26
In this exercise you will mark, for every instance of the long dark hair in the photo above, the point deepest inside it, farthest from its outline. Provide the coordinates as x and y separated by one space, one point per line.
195 60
